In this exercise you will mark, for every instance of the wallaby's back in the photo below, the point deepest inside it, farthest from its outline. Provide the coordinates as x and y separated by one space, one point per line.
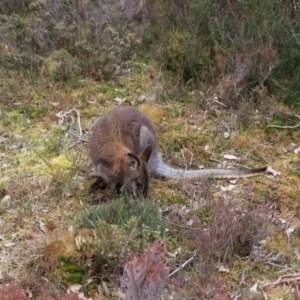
123 127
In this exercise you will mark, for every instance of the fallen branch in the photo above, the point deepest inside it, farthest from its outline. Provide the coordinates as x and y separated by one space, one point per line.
62 115
183 265
283 279
286 127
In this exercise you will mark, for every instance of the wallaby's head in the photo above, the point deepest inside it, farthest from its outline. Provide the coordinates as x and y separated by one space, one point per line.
138 177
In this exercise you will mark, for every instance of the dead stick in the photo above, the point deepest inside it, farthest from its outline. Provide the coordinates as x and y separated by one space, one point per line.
45 160
286 127
183 265
283 279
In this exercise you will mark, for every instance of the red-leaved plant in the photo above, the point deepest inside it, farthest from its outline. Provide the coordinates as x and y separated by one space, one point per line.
144 277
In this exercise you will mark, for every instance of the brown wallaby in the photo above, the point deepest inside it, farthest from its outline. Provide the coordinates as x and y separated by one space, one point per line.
124 148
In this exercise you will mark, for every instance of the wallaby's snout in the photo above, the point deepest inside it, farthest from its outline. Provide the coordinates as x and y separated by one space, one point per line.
136 187
136 181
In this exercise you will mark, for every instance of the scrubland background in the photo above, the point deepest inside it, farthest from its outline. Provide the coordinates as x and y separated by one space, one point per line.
218 78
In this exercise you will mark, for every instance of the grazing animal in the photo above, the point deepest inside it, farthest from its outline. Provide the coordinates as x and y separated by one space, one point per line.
124 148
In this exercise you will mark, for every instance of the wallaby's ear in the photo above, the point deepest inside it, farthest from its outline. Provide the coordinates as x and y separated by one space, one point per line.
146 153
133 161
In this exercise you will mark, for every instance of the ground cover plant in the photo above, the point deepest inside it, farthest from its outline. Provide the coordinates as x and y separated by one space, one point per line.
221 95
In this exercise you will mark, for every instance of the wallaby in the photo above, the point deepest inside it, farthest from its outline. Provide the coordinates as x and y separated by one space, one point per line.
124 148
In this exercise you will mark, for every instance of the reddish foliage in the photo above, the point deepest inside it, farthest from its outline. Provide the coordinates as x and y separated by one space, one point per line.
12 291
68 297
145 276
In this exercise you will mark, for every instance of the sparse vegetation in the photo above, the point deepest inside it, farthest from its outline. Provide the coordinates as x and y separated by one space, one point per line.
244 48
217 77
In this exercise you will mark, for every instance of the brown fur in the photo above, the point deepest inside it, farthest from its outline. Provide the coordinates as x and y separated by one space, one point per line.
124 148
119 158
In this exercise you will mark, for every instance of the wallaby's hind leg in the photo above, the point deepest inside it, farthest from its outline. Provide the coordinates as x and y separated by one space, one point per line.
99 184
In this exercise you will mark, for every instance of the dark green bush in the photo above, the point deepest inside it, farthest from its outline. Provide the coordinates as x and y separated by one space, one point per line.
121 211
123 228
13 6
59 65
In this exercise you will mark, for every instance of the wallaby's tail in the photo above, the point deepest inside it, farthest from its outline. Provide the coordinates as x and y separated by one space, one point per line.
161 169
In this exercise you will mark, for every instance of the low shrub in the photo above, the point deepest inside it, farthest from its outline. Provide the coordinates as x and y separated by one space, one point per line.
122 228
228 232
59 65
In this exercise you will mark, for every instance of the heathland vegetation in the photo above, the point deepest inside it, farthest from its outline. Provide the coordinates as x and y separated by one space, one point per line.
221 81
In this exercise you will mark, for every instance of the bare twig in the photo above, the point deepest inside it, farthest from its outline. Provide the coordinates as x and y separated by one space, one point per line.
62 115
282 279
80 141
45 160
241 283
183 265
286 127
215 99
271 67
187 165
297 291
216 160
264 294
